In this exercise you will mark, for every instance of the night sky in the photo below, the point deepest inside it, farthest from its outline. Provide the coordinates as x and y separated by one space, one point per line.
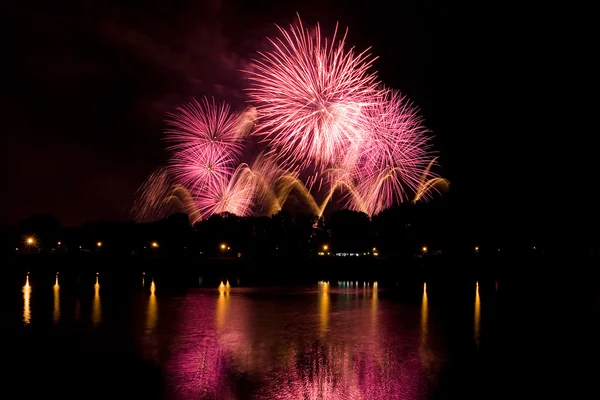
86 88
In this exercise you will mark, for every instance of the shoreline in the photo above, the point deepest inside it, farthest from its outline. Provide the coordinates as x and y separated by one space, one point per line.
289 271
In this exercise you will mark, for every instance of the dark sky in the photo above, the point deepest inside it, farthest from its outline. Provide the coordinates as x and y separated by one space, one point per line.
87 84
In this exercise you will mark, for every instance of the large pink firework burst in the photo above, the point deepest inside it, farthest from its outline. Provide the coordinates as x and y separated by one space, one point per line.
309 93
205 143
393 155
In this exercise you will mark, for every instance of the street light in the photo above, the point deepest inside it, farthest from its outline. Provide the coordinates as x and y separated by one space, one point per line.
154 245
325 247
424 249
99 244
223 246
30 242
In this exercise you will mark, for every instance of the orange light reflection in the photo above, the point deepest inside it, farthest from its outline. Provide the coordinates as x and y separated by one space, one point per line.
26 301
424 315
96 304
152 310
56 310
374 306
477 316
222 309
324 307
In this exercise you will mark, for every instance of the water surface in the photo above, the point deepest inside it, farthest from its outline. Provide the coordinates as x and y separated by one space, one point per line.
82 336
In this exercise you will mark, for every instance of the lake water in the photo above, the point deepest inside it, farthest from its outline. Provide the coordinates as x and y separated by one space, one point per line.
91 337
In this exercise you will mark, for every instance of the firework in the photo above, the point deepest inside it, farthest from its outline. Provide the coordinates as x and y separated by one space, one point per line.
150 201
205 143
330 131
393 154
309 93
184 201
246 121
429 183
206 125
158 197
267 176
233 196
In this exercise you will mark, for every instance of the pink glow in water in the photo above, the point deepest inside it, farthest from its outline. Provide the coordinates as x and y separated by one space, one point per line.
197 368
233 345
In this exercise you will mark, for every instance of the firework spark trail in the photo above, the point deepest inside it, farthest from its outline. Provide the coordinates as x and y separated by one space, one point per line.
267 173
289 182
150 197
352 196
245 122
185 202
233 196
438 184
430 182
309 94
158 196
249 190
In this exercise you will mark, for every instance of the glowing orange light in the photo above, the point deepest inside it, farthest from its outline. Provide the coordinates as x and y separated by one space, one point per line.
99 244
325 247
223 246
56 310
424 249
96 304
477 316
324 308
152 310
26 302
154 244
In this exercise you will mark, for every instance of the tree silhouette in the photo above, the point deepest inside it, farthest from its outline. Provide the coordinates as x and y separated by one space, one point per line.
350 231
